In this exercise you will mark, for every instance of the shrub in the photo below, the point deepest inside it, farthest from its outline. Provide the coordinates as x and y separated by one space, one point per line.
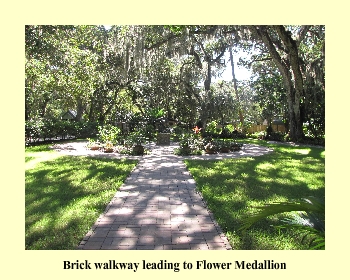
41 130
190 143
48 129
238 135
312 141
136 137
177 132
109 133
269 130
86 129
33 130
275 136
149 132
257 135
227 131
64 129
211 127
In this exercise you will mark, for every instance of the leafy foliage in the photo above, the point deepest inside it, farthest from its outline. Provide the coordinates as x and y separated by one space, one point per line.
212 127
49 129
190 143
310 219
126 73
109 133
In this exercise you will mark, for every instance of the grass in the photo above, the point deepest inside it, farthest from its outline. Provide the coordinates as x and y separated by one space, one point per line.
36 154
64 195
230 187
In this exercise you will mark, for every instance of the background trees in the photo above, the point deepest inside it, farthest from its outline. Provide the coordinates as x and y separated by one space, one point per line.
286 47
110 75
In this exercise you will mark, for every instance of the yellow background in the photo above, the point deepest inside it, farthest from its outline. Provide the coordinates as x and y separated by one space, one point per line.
20 264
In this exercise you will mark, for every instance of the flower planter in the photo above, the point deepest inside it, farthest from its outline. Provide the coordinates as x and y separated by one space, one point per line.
138 150
94 148
109 150
210 151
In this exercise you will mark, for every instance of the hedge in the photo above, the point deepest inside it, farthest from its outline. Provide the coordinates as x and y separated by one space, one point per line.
42 130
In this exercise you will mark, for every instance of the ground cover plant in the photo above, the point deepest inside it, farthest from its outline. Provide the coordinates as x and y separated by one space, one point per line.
232 186
64 195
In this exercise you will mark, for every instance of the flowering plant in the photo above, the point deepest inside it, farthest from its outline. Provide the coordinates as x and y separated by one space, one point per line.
196 130
93 144
191 141
210 146
108 145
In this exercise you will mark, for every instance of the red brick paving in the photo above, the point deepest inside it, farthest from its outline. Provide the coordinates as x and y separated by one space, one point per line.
157 208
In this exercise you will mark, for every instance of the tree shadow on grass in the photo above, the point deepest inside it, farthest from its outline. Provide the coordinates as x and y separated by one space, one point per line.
230 187
29 159
65 196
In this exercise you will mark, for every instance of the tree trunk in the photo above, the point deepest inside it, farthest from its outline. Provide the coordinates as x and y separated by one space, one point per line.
27 108
291 45
205 107
286 68
44 106
80 109
241 119
207 81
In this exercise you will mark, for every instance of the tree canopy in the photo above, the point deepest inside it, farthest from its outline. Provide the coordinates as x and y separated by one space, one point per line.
117 74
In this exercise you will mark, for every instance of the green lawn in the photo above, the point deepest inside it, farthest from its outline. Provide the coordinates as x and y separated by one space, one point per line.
230 187
64 195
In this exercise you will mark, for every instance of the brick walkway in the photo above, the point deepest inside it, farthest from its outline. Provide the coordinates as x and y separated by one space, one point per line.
157 208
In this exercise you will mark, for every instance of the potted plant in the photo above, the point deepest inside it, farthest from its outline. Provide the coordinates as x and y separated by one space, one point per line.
210 148
185 145
108 147
137 139
93 145
224 146
138 150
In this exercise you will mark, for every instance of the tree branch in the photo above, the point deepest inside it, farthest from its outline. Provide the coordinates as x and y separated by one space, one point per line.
258 59
186 63
261 32
302 33
217 59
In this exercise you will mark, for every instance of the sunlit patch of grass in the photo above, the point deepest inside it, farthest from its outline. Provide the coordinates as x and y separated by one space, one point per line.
233 187
304 151
38 148
65 195
36 154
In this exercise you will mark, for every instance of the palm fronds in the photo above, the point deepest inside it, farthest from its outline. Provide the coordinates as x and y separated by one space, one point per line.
309 218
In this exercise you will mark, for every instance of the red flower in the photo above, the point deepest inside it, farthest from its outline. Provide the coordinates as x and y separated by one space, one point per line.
196 130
